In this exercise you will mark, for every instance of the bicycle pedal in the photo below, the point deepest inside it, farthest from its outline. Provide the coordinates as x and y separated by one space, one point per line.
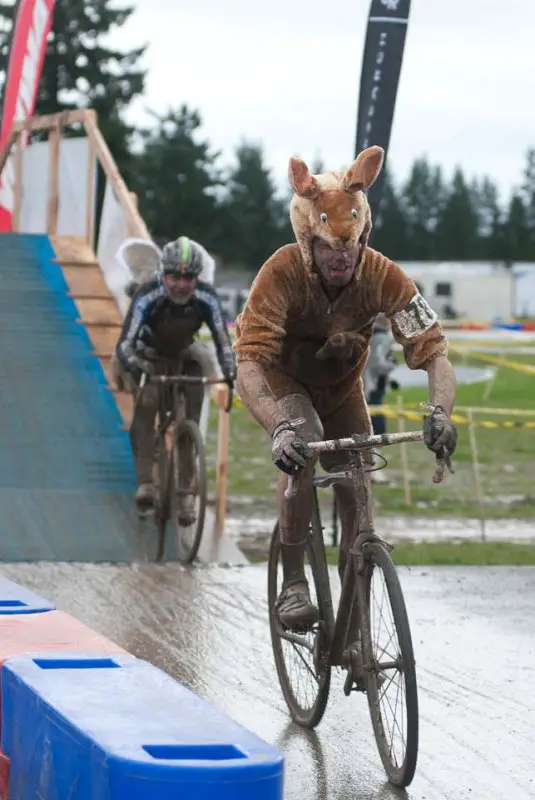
350 685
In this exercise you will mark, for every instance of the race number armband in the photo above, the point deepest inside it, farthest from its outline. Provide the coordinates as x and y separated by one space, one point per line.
417 318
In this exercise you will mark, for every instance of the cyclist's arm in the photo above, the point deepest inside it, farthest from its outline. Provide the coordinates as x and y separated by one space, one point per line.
260 331
442 383
134 320
415 325
218 328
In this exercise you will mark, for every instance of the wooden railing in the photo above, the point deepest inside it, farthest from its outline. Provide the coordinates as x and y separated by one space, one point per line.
99 150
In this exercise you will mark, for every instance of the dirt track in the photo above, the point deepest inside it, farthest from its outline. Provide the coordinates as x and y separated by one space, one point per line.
475 649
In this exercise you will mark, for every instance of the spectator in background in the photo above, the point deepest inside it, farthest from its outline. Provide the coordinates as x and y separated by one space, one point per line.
381 363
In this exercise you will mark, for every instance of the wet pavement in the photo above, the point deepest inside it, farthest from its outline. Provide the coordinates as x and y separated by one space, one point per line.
475 649
252 531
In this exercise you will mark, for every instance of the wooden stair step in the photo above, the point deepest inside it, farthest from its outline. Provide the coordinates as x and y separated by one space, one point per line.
90 295
70 262
87 282
104 339
98 324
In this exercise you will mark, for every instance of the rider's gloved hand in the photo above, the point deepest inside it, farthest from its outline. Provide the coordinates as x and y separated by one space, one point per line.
440 434
289 451
146 358
144 351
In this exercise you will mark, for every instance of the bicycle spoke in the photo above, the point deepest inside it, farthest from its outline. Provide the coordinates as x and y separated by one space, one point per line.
295 638
304 682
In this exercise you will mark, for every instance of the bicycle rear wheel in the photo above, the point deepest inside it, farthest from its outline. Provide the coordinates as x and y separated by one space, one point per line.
388 654
189 487
302 660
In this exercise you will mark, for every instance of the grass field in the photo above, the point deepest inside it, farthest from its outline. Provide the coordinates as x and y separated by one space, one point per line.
447 554
506 456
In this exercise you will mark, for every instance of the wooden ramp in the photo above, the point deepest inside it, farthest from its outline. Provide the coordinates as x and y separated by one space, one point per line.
96 305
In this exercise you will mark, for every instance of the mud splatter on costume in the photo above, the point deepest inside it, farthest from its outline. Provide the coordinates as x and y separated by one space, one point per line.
310 344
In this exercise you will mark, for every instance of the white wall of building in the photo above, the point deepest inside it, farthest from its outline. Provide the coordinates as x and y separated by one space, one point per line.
479 292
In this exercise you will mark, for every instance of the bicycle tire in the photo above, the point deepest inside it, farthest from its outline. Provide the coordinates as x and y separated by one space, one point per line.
307 718
402 775
189 429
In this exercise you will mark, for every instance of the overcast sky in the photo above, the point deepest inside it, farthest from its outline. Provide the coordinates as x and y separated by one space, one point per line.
285 73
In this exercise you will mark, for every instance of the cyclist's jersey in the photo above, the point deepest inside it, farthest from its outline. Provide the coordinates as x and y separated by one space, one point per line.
169 328
298 334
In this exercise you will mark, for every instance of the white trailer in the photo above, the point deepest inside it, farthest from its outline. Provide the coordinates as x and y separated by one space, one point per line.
478 291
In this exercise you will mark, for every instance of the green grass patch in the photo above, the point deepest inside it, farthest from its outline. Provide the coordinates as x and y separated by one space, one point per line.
506 456
462 553
477 554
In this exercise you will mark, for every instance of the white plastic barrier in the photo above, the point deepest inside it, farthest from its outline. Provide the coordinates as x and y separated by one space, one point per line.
113 232
73 179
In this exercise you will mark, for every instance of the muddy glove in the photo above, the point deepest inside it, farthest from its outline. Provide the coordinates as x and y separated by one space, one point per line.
289 451
440 434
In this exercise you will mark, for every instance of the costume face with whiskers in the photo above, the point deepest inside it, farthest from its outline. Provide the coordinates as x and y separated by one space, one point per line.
331 216
336 266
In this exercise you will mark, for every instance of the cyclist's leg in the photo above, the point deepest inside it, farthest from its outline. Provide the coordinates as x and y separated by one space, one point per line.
193 366
142 438
294 606
352 416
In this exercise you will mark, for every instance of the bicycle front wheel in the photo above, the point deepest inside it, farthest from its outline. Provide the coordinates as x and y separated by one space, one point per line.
161 477
188 489
390 666
301 659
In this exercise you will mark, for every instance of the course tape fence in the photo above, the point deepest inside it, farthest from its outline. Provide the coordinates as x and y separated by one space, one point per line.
517 366
392 412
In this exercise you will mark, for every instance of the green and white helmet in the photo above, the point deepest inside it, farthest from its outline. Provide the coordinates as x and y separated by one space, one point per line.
182 257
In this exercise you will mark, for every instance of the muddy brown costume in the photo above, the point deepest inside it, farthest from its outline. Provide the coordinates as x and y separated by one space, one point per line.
313 352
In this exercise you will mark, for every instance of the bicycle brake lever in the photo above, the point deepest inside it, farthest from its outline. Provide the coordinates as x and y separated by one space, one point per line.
442 463
291 490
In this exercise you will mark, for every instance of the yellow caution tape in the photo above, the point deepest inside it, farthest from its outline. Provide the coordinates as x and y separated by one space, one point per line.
393 413
526 369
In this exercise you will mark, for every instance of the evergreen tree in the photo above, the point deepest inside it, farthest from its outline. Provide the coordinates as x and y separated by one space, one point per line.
423 198
80 71
517 232
176 179
390 233
528 198
457 224
490 223
253 212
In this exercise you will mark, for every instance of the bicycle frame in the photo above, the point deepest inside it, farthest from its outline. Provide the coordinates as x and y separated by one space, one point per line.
363 529
178 385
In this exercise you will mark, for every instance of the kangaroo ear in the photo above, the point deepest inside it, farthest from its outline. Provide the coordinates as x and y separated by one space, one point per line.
302 182
364 170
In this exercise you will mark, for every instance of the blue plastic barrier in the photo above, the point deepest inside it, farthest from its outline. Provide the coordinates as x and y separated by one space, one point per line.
125 730
15 599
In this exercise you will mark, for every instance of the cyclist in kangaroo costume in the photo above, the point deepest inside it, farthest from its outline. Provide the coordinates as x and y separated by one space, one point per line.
302 345
163 318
